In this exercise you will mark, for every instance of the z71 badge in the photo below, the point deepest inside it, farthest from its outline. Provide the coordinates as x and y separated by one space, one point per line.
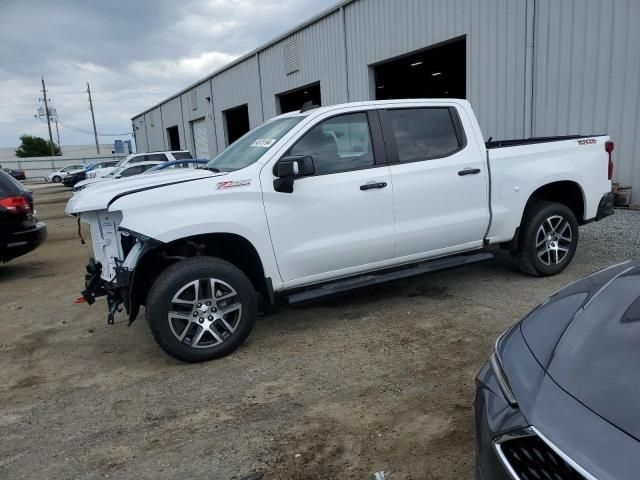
232 184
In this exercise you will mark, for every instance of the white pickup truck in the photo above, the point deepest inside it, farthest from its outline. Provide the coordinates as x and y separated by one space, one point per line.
328 199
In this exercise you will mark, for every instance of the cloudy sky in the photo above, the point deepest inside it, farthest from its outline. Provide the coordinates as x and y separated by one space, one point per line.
134 53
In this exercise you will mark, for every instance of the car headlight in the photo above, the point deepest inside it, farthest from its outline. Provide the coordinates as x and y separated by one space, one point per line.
501 376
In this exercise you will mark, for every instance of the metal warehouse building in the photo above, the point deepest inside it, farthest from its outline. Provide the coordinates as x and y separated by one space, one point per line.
529 67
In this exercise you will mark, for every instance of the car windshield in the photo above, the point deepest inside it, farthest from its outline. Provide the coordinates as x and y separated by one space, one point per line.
159 168
123 160
153 169
250 147
117 171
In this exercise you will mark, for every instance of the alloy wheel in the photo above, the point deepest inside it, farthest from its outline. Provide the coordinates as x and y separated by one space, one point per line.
553 240
204 313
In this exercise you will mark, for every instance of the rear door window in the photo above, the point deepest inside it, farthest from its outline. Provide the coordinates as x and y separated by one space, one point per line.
156 157
424 133
9 185
182 155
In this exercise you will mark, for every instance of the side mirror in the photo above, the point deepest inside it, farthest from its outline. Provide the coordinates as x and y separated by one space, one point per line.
288 169
118 176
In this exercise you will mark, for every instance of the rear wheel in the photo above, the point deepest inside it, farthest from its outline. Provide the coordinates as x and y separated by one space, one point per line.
548 239
201 308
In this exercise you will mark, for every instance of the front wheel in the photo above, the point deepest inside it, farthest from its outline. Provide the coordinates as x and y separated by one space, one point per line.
548 239
201 308
56 179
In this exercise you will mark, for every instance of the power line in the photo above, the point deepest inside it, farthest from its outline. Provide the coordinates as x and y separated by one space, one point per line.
94 93
87 132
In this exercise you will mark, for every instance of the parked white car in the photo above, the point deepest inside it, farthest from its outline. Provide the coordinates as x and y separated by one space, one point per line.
58 175
94 167
325 200
119 172
141 157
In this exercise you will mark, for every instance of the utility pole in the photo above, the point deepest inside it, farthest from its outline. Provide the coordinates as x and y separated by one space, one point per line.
58 134
93 119
46 110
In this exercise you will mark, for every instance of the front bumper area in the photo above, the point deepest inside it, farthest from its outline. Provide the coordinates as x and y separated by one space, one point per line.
509 443
22 242
494 417
116 291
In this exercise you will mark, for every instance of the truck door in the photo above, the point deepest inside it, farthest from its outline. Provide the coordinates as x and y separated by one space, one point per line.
340 220
440 188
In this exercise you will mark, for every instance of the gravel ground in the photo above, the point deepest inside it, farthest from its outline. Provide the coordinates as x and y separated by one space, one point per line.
380 379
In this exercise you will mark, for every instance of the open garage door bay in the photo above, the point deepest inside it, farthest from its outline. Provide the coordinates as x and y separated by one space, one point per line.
435 72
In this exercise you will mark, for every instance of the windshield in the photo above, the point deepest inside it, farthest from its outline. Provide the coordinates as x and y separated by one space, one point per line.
123 160
156 169
251 146
117 171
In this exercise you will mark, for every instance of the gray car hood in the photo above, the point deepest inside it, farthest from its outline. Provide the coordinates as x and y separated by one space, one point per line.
587 337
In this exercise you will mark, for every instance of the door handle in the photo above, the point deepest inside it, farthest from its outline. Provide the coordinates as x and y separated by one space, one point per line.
469 171
371 186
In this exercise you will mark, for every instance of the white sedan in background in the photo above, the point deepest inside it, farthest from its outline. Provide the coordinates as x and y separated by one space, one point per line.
140 158
120 172
58 175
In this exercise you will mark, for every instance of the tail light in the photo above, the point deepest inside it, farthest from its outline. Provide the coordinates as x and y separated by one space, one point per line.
608 147
17 204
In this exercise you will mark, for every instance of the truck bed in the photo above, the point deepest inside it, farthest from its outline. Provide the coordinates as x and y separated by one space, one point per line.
491 144
519 167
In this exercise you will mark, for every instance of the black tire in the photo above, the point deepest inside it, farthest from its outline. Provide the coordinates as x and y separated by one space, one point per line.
161 301
527 258
56 179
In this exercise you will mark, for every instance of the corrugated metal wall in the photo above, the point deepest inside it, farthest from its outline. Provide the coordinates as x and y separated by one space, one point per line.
496 39
155 130
172 116
321 56
233 87
534 67
587 75
140 129
195 108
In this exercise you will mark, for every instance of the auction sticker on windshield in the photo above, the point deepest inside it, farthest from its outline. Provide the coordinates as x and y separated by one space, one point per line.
263 142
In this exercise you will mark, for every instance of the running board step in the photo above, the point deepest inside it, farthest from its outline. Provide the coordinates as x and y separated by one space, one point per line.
387 276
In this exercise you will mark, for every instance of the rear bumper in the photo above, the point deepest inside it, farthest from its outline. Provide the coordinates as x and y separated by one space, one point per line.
605 207
20 243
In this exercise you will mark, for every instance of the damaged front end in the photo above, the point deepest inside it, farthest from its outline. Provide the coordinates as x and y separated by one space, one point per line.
110 272
96 286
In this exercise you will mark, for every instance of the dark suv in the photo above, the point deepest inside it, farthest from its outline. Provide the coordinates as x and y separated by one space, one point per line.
20 231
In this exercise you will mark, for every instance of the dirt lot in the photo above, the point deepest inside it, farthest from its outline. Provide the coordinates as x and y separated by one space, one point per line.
376 380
